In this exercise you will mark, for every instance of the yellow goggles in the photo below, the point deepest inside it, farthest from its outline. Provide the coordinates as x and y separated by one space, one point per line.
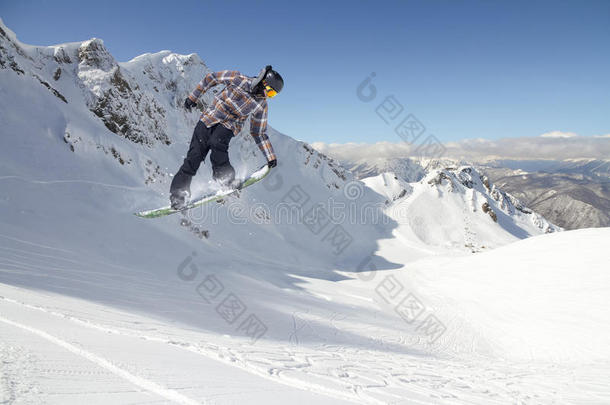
270 92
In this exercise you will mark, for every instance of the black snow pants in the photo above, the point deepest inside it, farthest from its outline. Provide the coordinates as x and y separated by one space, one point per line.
204 139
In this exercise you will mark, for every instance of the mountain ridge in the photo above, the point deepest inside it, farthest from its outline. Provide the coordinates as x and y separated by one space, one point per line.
140 101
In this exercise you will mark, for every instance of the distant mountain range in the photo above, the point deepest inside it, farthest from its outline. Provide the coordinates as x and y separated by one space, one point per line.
573 194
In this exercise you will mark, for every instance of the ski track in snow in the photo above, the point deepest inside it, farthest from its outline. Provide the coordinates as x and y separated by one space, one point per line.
95 183
34 244
85 333
143 383
338 371
341 372
366 376
224 354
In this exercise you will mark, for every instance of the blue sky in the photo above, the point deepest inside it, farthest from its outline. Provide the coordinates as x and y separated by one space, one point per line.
465 69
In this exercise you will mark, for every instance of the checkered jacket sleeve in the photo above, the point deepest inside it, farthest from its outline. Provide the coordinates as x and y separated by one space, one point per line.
258 130
210 80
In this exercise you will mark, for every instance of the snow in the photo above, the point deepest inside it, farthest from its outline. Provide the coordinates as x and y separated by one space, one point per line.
99 306
544 296
73 373
260 172
452 208
343 346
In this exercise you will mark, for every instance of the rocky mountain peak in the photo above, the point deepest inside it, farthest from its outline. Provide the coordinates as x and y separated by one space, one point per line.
484 195
93 54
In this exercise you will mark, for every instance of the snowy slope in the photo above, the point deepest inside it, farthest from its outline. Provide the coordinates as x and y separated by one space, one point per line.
279 304
546 297
456 207
540 337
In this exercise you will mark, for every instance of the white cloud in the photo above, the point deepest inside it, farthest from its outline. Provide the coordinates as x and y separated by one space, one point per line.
480 150
359 151
559 134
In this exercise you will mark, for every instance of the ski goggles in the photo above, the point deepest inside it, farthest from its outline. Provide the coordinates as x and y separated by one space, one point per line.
270 92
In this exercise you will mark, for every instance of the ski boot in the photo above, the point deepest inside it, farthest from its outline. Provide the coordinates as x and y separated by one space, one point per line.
228 183
231 185
179 200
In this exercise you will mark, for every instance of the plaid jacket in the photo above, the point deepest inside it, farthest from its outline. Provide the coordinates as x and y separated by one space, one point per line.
233 105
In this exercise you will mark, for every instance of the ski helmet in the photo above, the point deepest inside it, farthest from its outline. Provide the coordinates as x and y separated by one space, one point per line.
274 80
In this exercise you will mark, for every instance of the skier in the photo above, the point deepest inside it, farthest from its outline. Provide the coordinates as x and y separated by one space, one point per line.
242 96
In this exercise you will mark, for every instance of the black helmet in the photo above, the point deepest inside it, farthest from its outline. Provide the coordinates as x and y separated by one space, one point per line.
273 79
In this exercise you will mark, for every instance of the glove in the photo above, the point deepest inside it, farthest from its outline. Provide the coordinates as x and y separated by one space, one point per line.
188 104
272 163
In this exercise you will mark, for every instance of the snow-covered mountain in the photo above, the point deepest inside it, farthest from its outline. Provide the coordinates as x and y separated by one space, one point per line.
310 287
571 193
457 207
132 113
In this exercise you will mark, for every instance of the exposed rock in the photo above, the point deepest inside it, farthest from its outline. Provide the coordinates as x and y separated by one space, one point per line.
487 209
468 178
572 200
61 57
55 92
94 54
129 112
